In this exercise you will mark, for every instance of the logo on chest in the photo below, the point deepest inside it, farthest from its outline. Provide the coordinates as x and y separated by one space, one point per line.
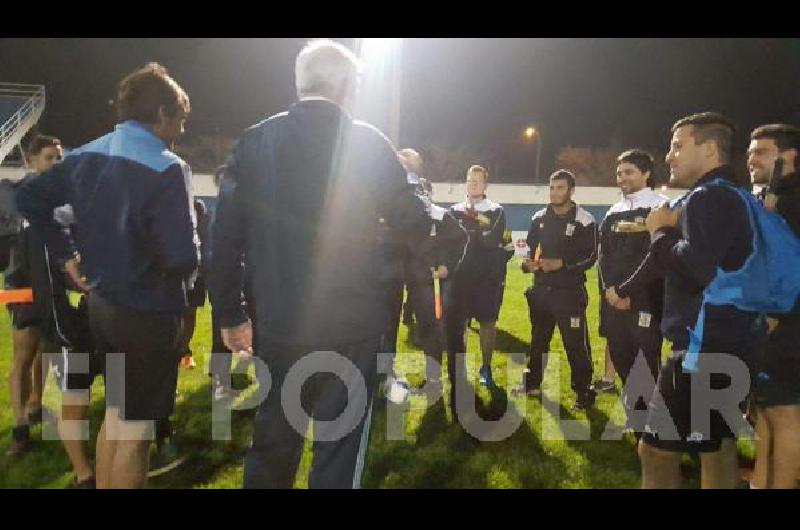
570 229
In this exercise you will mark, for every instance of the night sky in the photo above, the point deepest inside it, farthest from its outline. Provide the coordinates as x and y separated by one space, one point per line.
475 92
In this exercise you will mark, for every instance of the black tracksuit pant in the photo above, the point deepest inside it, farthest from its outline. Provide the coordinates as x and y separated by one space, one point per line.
394 307
565 307
421 295
630 334
275 453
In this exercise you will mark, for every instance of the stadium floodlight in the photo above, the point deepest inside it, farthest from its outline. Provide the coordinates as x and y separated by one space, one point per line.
374 51
379 95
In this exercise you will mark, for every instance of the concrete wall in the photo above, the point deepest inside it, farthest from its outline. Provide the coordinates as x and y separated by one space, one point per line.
520 201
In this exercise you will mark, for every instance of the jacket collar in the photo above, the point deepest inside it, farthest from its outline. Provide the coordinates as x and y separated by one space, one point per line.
725 172
569 215
137 128
320 102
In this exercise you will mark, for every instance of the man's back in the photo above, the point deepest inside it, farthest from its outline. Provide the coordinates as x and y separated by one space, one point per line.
131 198
303 195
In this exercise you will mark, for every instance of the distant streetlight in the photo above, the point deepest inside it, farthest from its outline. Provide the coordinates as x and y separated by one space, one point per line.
530 132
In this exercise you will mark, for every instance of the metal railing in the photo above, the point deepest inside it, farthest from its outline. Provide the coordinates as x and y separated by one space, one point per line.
25 116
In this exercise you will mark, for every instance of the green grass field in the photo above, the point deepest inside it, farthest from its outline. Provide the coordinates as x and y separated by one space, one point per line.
435 452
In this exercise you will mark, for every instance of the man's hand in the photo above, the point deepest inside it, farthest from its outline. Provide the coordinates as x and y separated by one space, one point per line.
551 265
614 300
527 265
771 202
611 296
772 323
441 272
661 217
72 268
239 339
623 304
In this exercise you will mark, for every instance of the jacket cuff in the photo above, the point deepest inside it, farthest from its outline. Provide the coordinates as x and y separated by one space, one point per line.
230 318
663 240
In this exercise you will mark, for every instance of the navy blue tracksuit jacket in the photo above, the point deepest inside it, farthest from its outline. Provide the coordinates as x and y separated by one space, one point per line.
713 232
132 201
302 199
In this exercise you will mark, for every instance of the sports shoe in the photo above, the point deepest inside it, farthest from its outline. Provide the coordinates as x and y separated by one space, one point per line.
88 484
585 401
396 390
165 458
35 416
20 441
485 376
527 388
604 386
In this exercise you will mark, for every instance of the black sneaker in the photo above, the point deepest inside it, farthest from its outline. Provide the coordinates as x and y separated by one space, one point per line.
35 416
604 386
88 484
20 441
165 459
585 402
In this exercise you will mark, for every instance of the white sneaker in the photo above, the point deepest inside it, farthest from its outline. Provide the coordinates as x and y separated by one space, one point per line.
396 390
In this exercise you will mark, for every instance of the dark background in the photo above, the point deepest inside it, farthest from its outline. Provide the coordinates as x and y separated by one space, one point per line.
476 95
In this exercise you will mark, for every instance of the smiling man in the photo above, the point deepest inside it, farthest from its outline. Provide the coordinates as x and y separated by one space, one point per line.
632 322
777 386
706 230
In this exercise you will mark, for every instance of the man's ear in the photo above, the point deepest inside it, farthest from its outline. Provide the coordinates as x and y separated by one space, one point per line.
790 160
710 149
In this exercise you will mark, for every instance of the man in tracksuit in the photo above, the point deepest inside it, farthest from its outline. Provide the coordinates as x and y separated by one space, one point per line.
476 291
633 324
135 229
563 241
301 200
439 255
776 390
440 252
692 238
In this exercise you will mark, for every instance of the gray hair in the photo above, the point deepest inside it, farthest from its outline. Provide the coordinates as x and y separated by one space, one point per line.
323 66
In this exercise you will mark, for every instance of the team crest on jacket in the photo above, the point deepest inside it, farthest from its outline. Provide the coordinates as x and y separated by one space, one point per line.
570 229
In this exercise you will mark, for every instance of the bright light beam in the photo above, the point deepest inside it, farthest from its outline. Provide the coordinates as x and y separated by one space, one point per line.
378 100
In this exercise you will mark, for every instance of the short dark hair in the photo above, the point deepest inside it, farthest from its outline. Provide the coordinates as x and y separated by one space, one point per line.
563 174
642 160
40 142
784 135
142 92
711 126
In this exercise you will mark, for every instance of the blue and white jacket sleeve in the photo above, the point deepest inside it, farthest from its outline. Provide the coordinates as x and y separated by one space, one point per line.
38 196
174 224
